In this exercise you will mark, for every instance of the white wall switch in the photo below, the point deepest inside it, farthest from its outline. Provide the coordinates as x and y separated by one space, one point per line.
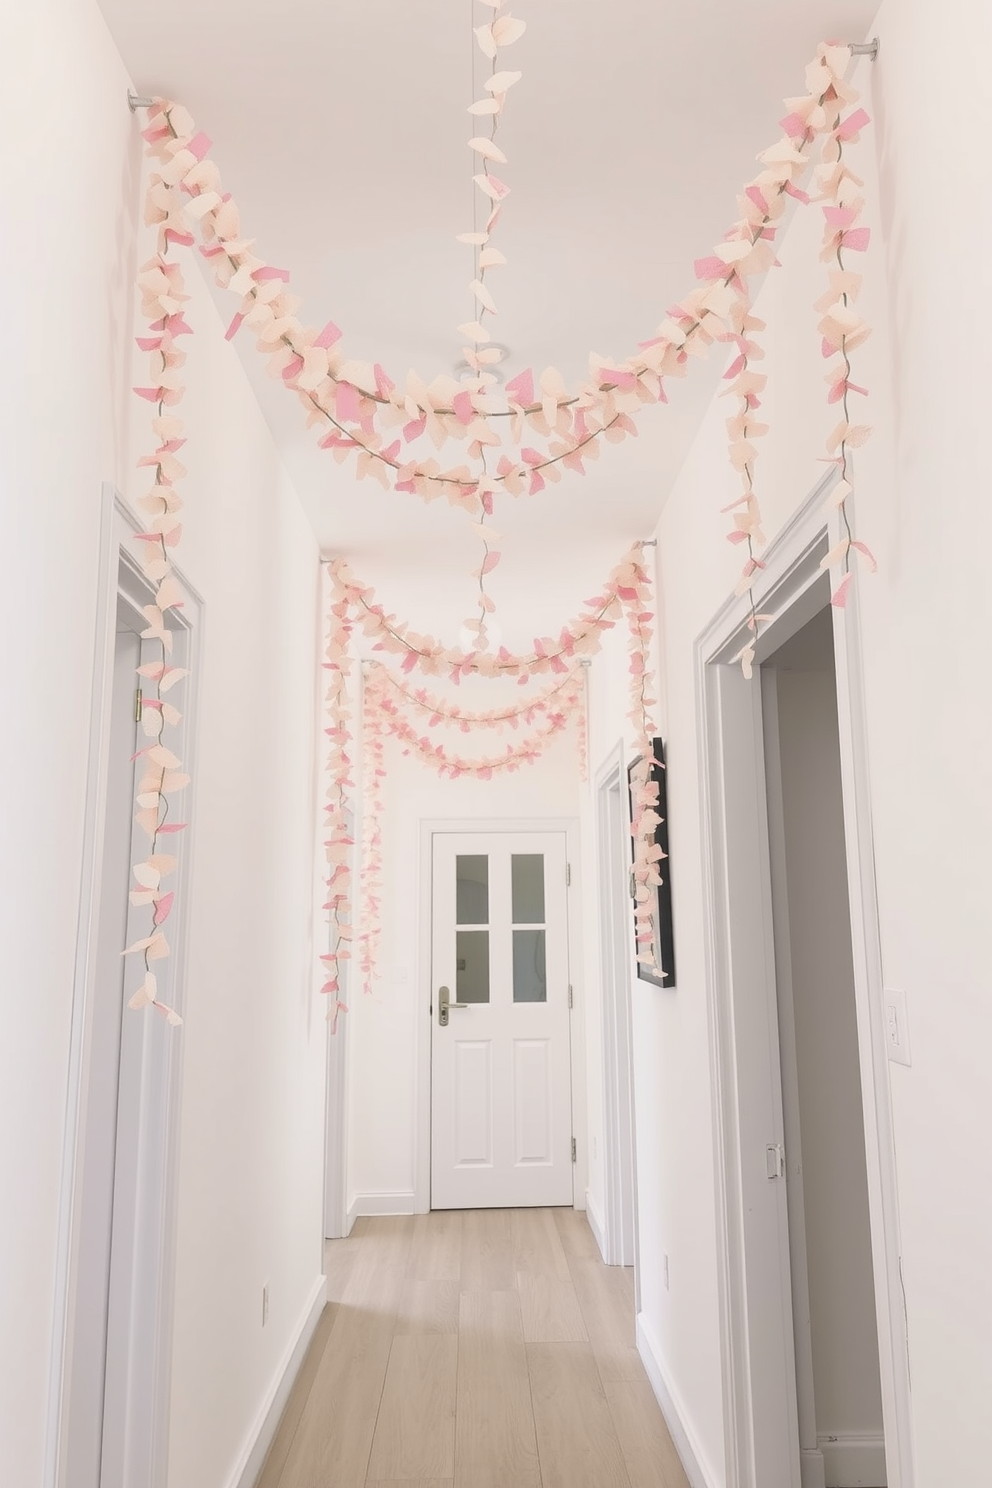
896 1025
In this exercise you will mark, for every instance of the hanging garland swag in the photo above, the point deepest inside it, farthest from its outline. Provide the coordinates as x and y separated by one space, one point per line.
626 595
359 406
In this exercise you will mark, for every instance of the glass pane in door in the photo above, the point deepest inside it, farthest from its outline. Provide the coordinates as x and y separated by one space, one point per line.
472 889
530 977
472 966
527 888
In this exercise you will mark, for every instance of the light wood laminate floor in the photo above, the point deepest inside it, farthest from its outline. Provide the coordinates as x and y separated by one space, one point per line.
473 1349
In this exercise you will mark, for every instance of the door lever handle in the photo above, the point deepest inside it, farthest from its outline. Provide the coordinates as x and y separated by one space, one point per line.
444 1003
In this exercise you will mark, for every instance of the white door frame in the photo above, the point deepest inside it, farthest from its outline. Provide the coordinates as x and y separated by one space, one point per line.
422 1144
761 1400
614 861
153 1207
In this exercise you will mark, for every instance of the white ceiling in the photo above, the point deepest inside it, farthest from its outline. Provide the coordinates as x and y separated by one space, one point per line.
341 129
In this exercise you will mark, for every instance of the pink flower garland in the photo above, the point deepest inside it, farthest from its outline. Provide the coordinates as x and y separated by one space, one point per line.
350 397
501 31
453 765
843 331
627 592
643 790
577 638
338 844
361 405
162 299
373 775
440 711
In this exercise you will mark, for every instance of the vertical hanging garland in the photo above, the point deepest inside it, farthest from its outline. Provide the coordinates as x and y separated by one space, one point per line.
843 331
163 296
373 774
338 843
636 596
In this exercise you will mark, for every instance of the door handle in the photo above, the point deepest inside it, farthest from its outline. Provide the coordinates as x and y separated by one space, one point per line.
444 1003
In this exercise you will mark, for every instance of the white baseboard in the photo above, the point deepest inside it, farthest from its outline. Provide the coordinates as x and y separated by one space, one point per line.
812 1468
697 1469
402 1201
253 1453
853 1461
596 1223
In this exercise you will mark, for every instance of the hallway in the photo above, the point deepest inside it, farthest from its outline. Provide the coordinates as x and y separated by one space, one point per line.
474 1349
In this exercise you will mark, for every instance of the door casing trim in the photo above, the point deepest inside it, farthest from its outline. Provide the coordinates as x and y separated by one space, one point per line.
119 572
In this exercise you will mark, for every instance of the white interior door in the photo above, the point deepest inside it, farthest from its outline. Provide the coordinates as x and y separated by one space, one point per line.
501 1101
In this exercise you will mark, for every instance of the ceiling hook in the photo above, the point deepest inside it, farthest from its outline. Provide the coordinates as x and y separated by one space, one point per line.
865 48
134 102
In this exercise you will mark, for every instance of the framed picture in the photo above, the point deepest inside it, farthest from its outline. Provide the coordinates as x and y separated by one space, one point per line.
662 908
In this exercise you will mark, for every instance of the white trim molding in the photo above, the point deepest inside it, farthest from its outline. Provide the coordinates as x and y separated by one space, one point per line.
397 1201
617 968
852 1461
261 1435
596 1223
145 1282
698 1469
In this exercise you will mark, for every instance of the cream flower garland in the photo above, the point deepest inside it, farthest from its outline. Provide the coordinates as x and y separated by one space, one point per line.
163 296
360 405
627 593
442 711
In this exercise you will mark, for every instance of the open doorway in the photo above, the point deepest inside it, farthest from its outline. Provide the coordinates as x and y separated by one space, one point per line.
799 1071
113 1323
838 1389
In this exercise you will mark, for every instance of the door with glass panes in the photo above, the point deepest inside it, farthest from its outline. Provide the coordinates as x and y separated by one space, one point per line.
501 1100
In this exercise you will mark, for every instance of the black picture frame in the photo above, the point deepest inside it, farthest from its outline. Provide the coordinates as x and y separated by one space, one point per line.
662 908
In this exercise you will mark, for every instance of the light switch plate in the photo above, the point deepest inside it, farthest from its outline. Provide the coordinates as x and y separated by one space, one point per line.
896 1025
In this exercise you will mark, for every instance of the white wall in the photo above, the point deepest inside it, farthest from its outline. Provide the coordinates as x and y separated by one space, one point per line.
922 508
250 1189
251 1182
383 1086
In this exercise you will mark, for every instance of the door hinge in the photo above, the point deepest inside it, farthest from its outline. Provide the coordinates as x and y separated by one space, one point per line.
774 1160
573 1149
570 996
568 875
137 705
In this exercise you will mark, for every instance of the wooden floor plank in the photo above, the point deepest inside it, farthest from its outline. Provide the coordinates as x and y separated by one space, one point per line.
550 1310
436 1246
495 1440
648 1450
334 1438
578 1240
537 1247
608 1312
282 1442
576 1438
487 1251
427 1307
415 1431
